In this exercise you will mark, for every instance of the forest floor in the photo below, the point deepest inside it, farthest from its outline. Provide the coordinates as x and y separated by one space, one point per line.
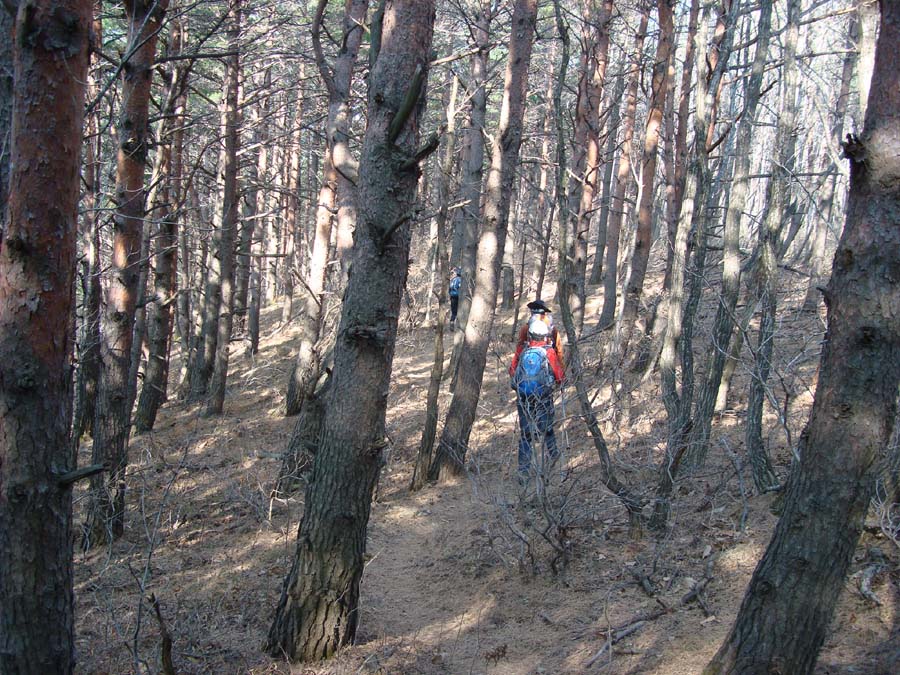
460 577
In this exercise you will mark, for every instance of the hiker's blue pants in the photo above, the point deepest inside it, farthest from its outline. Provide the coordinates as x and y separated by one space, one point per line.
536 416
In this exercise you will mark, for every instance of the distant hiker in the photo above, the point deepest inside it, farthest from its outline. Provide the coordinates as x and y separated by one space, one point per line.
541 311
535 372
455 286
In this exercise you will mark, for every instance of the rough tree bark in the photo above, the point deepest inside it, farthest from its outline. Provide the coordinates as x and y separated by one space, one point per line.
164 212
88 349
632 502
818 273
777 212
543 227
643 239
227 174
426 445
106 509
6 99
586 150
465 240
623 177
693 216
679 141
37 274
785 614
613 119
450 457
698 443
318 609
338 165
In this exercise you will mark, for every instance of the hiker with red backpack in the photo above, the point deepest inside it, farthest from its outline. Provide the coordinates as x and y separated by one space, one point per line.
535 372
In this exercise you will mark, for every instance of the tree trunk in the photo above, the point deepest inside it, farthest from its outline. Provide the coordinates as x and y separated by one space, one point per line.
139 332
623 178
612 131
6 101
693 216
543 228
450 457
731 263
631 502
853 413
254 207
426 445
586 158
37 276
336 189
89 347
818 273
106 509
227 174
170 142
777 212
471 177
684 104
319 605
291 210
867 12
643 239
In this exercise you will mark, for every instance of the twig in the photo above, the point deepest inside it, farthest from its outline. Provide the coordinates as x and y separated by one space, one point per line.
637 622
66 479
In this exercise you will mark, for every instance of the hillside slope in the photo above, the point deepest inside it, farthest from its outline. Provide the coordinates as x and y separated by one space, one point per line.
473 577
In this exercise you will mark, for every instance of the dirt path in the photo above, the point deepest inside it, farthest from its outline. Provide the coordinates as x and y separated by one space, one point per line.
460 577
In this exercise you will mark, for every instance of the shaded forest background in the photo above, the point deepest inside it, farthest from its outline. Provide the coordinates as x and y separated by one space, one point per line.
264 444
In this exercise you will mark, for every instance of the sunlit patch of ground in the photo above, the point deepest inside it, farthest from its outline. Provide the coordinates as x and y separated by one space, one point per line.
460 578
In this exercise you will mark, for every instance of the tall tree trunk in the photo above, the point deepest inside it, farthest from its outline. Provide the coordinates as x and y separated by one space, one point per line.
471 177
450 457
693 216
853 413
170 142
106 509
337 189
867 13
37 276
643 239
228 171
543 227
731 263
684 104
6 101
184 305
271 238
777 197
426 445
254 205
631 502
139 332
623 177
319 605
613 120
586 151
817 277
221 267
89 347
291 210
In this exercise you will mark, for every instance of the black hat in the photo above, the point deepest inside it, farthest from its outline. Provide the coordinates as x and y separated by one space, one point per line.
539 306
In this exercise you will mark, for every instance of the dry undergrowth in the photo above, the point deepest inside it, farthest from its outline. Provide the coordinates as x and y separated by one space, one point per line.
474 577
